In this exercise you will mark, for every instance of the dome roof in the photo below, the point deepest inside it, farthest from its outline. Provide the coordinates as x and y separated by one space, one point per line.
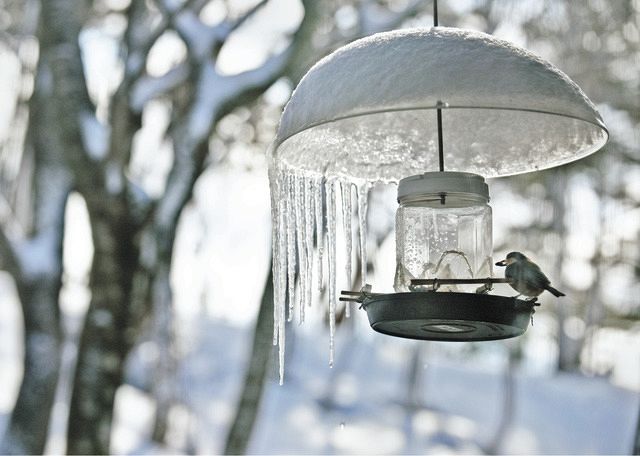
367 111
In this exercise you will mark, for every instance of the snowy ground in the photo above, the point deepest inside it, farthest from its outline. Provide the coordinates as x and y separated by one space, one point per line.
361 406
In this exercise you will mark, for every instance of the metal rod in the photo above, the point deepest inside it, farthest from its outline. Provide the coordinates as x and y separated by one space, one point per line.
439 111
435 13
457 281
440 145
356 296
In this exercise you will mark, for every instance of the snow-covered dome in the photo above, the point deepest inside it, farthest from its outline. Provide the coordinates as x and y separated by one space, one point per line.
367 111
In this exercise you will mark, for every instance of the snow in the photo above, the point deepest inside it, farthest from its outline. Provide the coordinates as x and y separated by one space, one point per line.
249 46
370 102
358 406
361 405
11 350
113 178
148 87
167 52
95 136
10 77
38 256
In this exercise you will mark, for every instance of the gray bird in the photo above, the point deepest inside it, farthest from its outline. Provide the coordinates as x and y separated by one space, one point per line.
525 276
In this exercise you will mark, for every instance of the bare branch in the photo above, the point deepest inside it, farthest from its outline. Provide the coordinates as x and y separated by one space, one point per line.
214 96
137 54
199 37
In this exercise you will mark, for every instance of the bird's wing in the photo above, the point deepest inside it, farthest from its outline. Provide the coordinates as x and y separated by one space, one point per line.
527 272
534 275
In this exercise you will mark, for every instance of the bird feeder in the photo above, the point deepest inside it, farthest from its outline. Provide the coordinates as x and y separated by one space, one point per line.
436 110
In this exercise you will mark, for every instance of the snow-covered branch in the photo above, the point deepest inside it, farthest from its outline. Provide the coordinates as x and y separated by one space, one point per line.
220 92
95 136
226 28
214 95
147 87
202 39
199 37
138 49
39 256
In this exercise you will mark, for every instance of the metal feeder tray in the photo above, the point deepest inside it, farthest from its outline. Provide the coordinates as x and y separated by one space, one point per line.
445 316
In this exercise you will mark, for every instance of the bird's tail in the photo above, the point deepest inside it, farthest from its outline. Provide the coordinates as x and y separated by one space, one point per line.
554 292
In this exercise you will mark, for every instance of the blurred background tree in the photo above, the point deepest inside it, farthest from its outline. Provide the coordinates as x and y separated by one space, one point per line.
118 109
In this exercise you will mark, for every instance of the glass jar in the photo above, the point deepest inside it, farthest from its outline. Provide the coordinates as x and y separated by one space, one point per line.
443 229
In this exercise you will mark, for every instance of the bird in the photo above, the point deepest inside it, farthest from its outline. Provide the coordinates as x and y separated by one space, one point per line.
526 277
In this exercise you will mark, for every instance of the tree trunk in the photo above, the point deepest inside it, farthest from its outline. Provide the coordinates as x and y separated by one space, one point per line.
240 432
163 334
39 279
27 432
108 333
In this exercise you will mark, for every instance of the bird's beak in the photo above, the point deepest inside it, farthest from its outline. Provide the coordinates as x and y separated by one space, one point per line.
501 263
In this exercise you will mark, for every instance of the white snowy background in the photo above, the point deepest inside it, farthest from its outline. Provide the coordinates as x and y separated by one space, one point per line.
362 405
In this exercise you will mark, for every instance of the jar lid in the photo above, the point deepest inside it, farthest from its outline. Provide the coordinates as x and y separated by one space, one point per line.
439 182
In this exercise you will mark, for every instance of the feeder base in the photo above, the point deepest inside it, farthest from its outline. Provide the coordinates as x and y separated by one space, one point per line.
448 316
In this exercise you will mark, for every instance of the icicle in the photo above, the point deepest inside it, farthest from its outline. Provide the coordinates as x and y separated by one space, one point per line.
291 243
302 250
275 246
348 235
363 197
320 228
279 305
308 238
281 340
331 231
274 238
280 254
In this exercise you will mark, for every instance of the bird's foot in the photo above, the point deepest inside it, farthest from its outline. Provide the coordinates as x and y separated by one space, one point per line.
484 289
